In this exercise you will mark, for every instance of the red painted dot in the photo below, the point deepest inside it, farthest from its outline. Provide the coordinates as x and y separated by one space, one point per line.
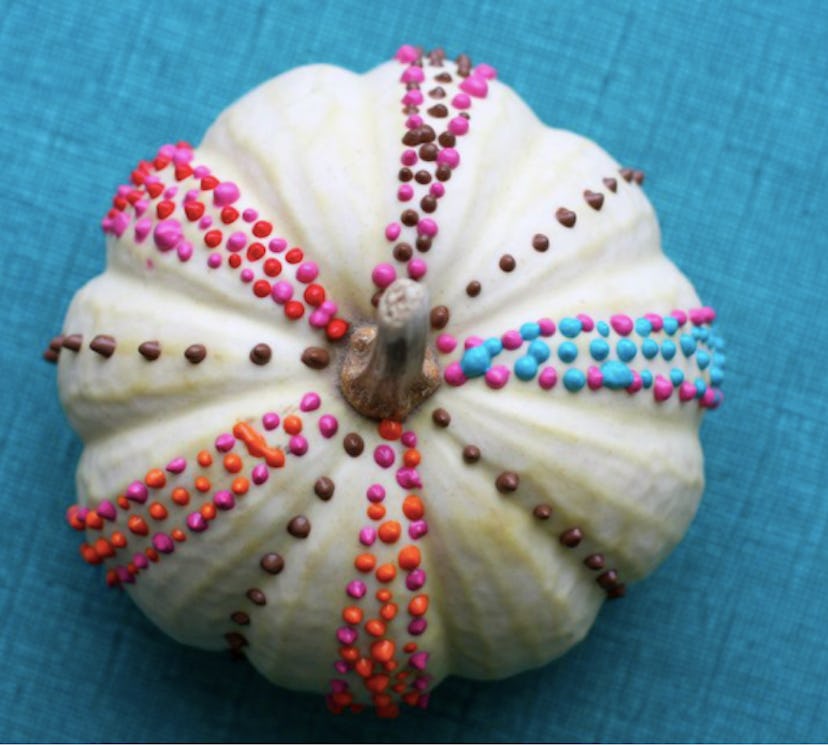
272 267
194 210
336 329
314 295
165 208
183 171
209 182
294 256
155 189
255 252
212 238
294 309
262 229
161 162
234 260
261 288
229 215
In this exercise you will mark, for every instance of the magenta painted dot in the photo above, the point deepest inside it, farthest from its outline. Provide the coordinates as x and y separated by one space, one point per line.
448 157
406 53
662 388
475 85
170 192
417 626
417 269
587 323
281 292
384 456
341 666
142 229
184 251
409 157
225 442
412 74
139 559
409 439
405 192
124 575
392 231
214 260
367 536
511 340
318 319
329 307
414 97
260 474
163 543
595 379
310 402
548 378
356 589
307 272
497 376
249 215
123 190
270 420
622 324
427 227
709 314
547 327
237 241
408 478
421 683
637 383
415 579
182 156
446 343
437 189
277 245
328 425
119 224
141 206
137 492
224 500
419 660
247 275
697 316
656 320
453 374
225 194
177 465
167 234
375 493
201 171
346 635
106 509
414 121
711 398
191 196
338 685
461 101
205 222
679 316
298 445
459 125
687 391
417 529
485 71
383 275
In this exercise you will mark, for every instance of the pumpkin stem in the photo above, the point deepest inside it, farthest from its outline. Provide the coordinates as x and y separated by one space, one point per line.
388 368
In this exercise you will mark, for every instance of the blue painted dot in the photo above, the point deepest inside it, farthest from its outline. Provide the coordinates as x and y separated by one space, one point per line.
701 387
570 327
646 379
599 349
716 376
643 326
676 376
719 359
567 351
603 328
526 367
574 379
668 349
616 375
539 350
702 359
626 349
475 361
649 348
493 346
688 344
530 330
670 324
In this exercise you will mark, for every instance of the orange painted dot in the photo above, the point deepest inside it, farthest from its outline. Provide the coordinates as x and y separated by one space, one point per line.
104 548
377 683
375 627
376 511
418 605
180 496
342 699
157 511
390 429
411 698
352 614
292 424
410 647
389 532
240 486
118 540
208 511
383 595
93 520
411 457
202 484
349 653
112 578
413 508
381 700
398 688
365 562
123 503
232 463
386 573
409 557
364 667
391 666
89 554
152 554
155 478
178 535
275 457
137 525
204 458
388 611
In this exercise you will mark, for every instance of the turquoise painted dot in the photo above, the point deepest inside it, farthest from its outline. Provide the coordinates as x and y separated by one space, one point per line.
567 351
646 379
493 346
717 343
616 375
475 361
530 330
643 326
670 324
716 376
626 349
701 387
668 349
719 359
702 359
603 328
570 327
539 350
688 344
700 332
599 349
574 379
676 376
649 348
526 367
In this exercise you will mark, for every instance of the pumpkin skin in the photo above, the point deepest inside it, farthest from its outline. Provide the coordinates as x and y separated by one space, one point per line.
576 485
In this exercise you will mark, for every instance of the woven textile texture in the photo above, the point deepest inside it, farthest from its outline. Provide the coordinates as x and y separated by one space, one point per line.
722 104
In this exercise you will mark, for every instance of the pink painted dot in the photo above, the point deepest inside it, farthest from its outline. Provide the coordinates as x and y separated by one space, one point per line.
448 157
205 222
141 207
409 157
342 666
697 316
437 189
237 241
199 172
225 442
412 74
329 307
679 316
106 509
622 324
547 327
497 376
687 391
191 195
392 231
417 529
281 292
375 493
512 339
414 121
406 53
587 324
485 71
163 543
409 439
655 320
461 101
417 627
298 445
184 251
367 536
356 589
214 260
636 384
139 559
415 579
347 635
142 229
319 319
247 275
405 192
453 374
414 97
446 343
225 194
472 341
197 522
417 268
176 466
595 379
167 234
662 388
548 378
170 192
458 125
307 272
408 478
384 456
277 245
383 275
119 225
328 425
260 474
270 420
427 227
249 215
475 85
310 402
709 314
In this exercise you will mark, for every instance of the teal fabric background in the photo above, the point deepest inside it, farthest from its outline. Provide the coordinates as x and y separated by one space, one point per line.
723 104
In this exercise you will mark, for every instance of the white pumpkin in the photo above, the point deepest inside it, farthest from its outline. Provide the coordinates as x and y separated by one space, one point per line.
527 436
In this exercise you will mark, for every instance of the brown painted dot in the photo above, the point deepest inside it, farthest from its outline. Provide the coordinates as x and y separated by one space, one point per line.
572 537
439 111
566 217
443 172
195 353
441 417
324 488
299 526
257 596
638 177
439 317
412 86
409 217
429 151
507 263
436 57
410 109
261 354
103 344
375 298
594 199
423 243
471 454
73 342
443 78
607 579
272 563
428 203
438 92
411 137
542 512
473 289
427 133
422 177
540 242
240 617
354 444
50 355
464 65
595 561
626 173
236 640
316 358
447 139
617 591
403 252
611 184
405 174
508 481
150 350
56 343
